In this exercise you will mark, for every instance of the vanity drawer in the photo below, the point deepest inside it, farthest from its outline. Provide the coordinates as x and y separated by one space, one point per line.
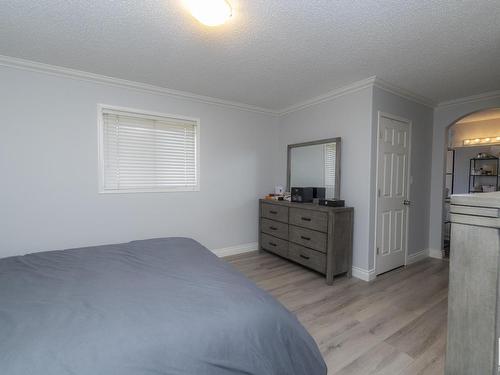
311 219
307 257
309 238
274 212
274 244
275 228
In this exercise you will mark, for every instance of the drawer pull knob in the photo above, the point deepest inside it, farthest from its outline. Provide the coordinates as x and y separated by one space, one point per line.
305 218
272 244
304 256
273 212
273 228
306 238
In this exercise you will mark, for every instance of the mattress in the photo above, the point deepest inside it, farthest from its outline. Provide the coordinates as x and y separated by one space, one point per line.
161 306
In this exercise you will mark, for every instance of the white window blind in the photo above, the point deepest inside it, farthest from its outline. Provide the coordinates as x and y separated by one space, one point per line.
330 165
142 152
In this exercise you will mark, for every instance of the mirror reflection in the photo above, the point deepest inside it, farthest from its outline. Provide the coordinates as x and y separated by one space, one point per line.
315 164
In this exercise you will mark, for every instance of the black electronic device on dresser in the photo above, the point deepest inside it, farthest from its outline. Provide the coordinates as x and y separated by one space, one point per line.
319 192
302 194
332 202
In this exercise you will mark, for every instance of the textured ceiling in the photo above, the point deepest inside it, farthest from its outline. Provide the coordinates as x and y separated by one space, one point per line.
272 53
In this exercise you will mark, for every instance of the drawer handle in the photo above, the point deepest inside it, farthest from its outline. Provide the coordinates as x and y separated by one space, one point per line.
304 256
306 238
272 244
305 218
273 212
273 228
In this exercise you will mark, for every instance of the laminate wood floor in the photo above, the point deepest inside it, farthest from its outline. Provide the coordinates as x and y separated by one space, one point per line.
393 325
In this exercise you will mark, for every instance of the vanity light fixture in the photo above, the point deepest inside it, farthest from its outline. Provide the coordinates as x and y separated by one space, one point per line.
482 141
210 12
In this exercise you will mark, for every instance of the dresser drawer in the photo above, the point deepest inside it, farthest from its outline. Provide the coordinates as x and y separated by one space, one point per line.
309 238
275 228
316 220
307 257
274 244
274 212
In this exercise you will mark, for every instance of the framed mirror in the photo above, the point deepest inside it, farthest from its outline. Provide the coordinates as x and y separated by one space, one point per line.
315 164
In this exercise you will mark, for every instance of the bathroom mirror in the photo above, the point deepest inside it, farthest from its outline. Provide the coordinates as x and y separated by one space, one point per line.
315 164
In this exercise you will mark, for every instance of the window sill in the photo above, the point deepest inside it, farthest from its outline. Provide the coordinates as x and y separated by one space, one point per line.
169 190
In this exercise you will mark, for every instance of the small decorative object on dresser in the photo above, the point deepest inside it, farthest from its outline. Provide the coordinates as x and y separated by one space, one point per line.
314 236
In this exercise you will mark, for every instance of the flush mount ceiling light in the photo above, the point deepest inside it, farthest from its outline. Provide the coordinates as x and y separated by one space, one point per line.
209 12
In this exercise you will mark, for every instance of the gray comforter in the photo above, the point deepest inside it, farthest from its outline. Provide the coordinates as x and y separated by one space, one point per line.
162 306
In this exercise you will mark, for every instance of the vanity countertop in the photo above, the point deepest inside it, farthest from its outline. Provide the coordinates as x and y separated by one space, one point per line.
480 209
474 291
477 200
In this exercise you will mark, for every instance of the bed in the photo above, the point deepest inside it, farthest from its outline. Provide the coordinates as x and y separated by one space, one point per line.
161 306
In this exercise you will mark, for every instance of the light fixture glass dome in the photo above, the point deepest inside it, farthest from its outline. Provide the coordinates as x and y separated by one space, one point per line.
210 12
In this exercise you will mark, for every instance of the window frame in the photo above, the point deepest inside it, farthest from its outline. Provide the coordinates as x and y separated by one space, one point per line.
101 108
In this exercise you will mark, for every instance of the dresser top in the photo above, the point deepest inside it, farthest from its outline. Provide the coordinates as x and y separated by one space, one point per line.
477 200
306 206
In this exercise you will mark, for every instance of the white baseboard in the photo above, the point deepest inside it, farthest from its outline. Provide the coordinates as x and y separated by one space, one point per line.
365 275
415 257
434 253
237 249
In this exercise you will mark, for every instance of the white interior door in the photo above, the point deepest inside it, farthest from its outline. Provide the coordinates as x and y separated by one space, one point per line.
392 193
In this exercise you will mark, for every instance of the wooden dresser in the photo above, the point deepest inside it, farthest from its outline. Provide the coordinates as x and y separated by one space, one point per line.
314 236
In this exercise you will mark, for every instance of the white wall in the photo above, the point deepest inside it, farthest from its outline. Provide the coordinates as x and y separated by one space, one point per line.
48 164
349 117
473 130
421 144
462 162
354 117
48 161
444 116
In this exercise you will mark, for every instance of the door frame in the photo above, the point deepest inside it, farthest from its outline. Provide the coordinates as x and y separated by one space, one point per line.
381 114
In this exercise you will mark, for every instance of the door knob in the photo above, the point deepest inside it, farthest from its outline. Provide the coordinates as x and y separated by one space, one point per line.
406 202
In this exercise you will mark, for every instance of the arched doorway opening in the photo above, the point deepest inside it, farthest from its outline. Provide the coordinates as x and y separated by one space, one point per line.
472 160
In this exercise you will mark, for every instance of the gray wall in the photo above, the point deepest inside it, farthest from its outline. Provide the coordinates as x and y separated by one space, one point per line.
421 160
444 116
48 164
349 117
461 176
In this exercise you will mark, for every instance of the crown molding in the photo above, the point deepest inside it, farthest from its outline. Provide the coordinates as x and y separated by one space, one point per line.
470 99
351 88
373 81
17 63
396 90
